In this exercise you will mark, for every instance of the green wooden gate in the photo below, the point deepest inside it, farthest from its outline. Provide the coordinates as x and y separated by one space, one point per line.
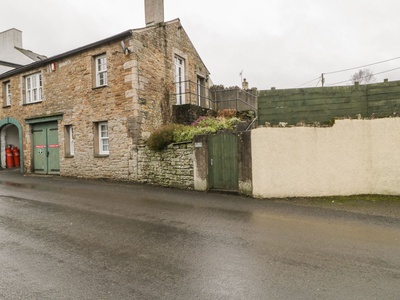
223 161
46 157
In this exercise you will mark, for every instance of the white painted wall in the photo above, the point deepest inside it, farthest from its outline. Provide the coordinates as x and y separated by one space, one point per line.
10 39
352 157
8 136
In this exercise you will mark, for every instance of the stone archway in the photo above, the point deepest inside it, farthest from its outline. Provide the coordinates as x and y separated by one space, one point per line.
10 133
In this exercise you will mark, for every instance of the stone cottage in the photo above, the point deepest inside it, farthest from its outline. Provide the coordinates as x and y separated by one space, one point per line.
85 112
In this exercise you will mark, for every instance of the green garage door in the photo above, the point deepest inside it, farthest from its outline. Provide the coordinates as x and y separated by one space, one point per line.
46 157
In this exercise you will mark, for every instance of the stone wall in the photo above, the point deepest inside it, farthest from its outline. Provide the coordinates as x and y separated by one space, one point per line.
157 47
172 167
188 113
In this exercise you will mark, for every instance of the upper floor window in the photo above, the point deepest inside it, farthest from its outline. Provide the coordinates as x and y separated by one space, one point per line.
180 80
101 70
7 93
33 88
201 91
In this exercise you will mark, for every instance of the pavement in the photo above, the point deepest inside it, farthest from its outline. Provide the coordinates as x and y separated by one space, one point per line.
374 205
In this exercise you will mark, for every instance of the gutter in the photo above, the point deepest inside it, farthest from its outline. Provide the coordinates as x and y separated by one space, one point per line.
9 64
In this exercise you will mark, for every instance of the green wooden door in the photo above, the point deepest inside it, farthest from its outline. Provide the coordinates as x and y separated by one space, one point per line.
223 161
53 149
46 158
39 150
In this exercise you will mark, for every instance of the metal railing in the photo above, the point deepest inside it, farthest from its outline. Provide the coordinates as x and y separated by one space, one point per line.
193 93
189 92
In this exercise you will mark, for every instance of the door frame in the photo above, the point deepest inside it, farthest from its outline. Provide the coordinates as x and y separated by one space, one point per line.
43 120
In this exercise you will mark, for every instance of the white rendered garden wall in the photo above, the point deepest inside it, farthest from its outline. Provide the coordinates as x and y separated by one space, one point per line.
352 157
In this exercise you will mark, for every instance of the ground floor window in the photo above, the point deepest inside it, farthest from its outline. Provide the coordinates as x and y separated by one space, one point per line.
69 140
101 141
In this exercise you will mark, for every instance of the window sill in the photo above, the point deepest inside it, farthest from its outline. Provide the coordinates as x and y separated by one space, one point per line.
7 106
31 103
69 156
101 155
99 87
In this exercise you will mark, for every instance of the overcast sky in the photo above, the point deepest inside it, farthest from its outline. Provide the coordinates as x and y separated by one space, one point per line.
277 43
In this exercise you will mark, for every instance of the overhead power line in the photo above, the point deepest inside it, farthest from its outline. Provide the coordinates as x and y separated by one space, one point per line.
318 78
350 69
387 71
364 77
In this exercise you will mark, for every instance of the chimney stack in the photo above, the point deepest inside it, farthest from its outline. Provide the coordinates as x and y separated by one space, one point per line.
154 12
245 84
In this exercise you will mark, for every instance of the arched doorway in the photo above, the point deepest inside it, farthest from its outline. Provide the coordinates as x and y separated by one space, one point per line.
10 134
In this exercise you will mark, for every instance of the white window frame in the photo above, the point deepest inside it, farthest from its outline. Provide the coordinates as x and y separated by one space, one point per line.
33 88
103 138
71 141
8 93
200 90
101 70
180 80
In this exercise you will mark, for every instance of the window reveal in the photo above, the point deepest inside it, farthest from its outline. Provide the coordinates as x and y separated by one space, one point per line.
101 70
33 88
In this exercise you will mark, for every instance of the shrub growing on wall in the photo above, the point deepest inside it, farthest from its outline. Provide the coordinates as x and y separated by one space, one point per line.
204 125
227 113
175 133
162 137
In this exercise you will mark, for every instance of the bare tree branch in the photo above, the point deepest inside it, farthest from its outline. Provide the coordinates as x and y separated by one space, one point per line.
363 76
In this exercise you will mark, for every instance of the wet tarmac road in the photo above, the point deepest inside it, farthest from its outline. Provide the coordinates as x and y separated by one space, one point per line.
72 239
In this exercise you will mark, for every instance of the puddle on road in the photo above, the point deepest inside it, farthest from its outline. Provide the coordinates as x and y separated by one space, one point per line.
29 186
